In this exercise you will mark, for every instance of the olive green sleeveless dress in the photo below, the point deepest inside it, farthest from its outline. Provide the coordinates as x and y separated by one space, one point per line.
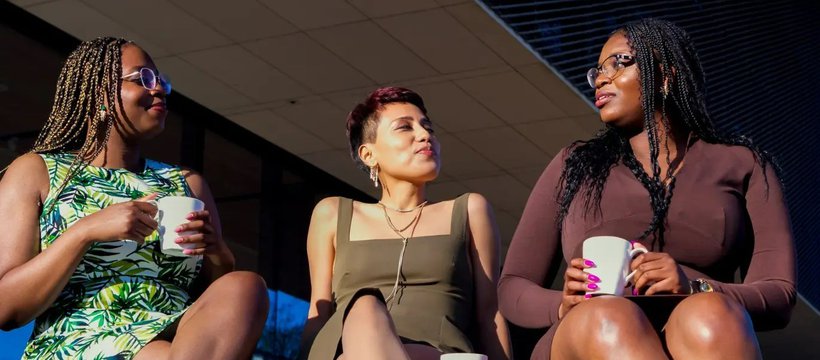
434 303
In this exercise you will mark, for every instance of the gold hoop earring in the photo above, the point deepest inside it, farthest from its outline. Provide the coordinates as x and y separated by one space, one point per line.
374 175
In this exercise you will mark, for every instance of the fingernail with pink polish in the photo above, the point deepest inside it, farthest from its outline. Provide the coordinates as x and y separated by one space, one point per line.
178 240
635 292
592 286
589 263
594 278
178 229
587 296
186 252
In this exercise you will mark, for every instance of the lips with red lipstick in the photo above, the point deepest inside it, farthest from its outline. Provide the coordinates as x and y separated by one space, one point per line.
602 98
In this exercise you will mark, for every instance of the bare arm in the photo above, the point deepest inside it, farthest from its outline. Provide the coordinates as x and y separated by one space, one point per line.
321 251
484 248
219 260
22 190
30 279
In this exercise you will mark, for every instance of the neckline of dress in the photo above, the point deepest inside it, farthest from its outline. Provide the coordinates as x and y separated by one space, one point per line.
145 166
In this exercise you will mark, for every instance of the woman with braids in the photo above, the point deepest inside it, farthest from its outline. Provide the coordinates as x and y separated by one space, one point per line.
705 205
78 251
402 278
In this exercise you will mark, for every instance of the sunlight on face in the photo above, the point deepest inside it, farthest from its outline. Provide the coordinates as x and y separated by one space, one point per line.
406 147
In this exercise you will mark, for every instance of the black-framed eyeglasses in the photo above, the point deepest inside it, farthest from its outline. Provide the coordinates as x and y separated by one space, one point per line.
149 79
611 67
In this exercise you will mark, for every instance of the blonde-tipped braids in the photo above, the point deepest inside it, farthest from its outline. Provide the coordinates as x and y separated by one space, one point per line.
83 112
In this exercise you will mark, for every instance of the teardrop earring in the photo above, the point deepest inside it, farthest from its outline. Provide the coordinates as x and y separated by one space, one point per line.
374 175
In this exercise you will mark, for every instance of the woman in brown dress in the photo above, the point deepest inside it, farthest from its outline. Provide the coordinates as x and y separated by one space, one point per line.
705 204
403 278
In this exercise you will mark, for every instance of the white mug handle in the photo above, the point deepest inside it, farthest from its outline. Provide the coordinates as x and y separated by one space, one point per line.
157 215
632 254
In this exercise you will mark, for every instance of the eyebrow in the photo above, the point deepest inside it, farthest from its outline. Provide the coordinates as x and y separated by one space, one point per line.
410 118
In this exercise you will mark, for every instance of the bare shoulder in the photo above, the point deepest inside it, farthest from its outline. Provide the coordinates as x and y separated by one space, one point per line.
323 223
195 181
326 210
477 205
30 164
27 172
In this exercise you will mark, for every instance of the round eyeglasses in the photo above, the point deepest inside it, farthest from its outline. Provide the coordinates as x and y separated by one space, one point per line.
149 79
611 67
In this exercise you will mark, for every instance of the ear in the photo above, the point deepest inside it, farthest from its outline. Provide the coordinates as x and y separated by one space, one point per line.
366 155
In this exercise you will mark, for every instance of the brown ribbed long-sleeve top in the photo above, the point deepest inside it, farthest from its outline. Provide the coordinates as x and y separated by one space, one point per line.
722 217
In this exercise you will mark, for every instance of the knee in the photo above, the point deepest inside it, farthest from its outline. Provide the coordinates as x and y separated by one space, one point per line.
366 310
246 286
608 321
706 320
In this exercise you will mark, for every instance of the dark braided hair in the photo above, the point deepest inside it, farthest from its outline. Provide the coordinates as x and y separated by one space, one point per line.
80 121
665 54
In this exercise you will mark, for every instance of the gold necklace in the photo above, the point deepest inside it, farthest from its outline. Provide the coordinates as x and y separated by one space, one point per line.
390 221
403 210
404 240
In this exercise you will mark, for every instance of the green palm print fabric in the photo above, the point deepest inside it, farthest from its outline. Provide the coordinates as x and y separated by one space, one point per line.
122 294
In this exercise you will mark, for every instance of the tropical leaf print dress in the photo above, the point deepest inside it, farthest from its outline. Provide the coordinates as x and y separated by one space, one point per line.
122 294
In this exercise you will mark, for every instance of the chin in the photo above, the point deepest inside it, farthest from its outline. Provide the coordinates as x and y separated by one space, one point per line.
425 177
153 131
610 114
621 122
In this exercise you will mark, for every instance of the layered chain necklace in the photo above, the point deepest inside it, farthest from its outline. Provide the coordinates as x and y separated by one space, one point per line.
412 226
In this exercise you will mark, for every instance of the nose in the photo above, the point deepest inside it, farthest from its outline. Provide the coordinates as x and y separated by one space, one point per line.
601 80
158 92
422 134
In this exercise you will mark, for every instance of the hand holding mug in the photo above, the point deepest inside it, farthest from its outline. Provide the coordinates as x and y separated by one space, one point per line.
576 282
658 273
198 235
130 220
611 256
185 228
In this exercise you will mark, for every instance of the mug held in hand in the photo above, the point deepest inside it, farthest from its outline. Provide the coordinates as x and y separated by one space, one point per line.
612 256
172 212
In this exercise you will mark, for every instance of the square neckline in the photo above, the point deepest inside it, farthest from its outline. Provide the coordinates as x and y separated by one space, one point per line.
397 239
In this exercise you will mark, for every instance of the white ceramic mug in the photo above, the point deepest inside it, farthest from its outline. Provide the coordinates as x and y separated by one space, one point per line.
172 212
463 356
612 256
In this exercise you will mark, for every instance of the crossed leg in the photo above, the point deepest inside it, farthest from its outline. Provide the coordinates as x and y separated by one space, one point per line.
224 323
